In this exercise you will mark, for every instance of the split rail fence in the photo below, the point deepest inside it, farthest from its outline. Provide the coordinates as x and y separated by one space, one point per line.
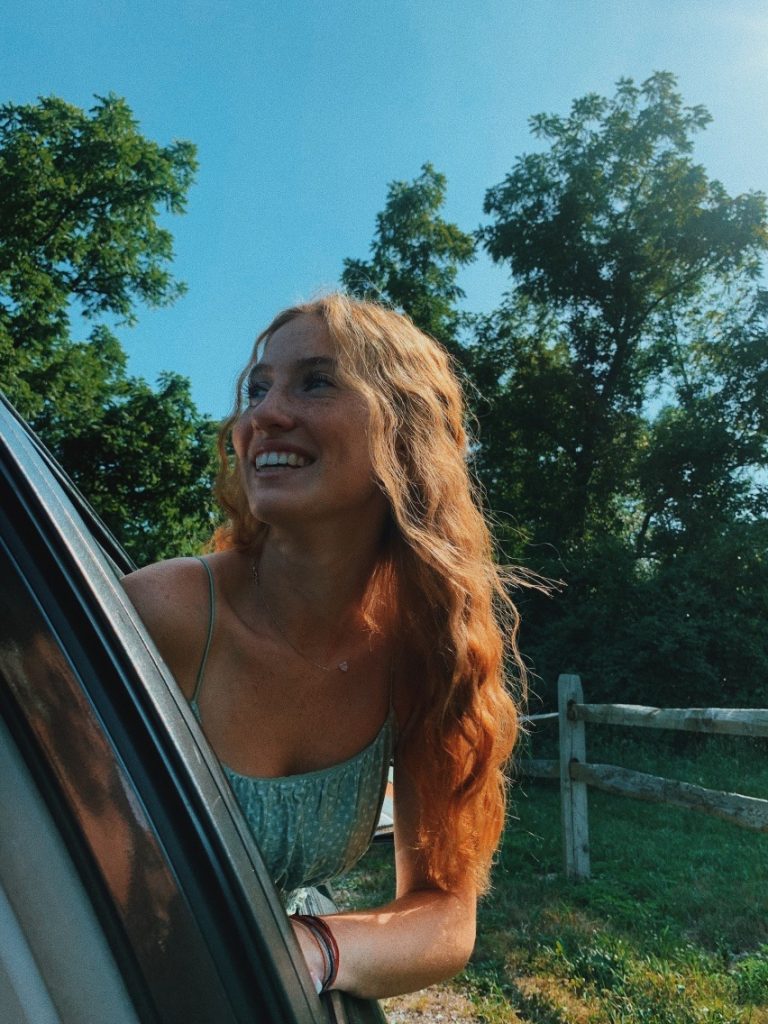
576 774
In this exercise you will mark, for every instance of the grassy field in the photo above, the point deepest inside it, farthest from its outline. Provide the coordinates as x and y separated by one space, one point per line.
672 928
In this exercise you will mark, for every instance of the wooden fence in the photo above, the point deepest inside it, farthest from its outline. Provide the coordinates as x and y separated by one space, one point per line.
576 774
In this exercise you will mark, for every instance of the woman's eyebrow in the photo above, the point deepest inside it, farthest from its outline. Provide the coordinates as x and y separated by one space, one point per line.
324 362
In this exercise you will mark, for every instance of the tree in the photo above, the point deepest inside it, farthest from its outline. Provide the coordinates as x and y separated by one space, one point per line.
626 377
703 468
415 258
621 390
80 197
616 241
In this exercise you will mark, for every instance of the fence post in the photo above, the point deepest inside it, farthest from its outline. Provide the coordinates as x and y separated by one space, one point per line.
573 795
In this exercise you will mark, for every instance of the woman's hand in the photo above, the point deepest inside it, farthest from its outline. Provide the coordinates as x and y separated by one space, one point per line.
312 953
422 936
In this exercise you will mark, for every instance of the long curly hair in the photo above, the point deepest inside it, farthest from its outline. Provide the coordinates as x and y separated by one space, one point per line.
437 584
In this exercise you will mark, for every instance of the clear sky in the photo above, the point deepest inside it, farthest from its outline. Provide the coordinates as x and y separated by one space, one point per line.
304 110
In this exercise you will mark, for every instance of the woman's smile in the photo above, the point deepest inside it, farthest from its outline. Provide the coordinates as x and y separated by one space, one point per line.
302 441
270 460
274 456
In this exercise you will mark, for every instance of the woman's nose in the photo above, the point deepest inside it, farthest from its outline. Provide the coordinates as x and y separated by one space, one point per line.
274 409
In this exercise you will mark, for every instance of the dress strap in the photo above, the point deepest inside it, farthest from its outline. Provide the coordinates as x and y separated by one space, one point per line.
392 716
211 619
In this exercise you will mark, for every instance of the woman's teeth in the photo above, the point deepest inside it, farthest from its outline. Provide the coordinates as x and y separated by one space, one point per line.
280 459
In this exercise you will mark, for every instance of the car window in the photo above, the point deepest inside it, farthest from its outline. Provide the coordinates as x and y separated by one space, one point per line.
45 912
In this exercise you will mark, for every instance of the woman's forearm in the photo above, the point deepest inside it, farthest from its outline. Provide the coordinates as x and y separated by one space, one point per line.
420 938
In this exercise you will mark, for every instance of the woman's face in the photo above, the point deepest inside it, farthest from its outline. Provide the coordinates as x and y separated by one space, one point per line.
302 440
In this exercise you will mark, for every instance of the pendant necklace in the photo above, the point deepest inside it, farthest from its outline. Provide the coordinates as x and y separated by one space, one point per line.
342 666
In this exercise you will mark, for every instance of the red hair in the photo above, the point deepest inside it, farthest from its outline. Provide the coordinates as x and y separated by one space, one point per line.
437 583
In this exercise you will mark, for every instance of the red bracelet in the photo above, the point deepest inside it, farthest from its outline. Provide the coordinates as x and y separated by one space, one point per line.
327 942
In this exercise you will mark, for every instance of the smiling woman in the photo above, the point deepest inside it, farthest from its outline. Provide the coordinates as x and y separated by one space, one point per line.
350 614
303 412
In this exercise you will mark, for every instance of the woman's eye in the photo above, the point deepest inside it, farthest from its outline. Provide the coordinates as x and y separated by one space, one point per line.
257 389
318 380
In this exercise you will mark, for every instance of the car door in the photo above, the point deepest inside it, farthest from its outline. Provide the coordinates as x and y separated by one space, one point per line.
130 886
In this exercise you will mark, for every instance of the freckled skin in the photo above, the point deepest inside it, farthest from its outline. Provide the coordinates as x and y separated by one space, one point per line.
302 404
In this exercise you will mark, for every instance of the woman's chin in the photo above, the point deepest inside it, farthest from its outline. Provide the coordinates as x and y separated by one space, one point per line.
275 505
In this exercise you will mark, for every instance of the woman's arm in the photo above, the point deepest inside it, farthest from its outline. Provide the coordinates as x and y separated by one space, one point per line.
423 936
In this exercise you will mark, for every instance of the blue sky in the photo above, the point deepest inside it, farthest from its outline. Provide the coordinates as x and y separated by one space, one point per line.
304 111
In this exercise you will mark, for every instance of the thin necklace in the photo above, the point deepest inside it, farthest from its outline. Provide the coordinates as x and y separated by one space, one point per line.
342 666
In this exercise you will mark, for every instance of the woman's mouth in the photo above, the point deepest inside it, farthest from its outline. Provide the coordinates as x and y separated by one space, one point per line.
290 459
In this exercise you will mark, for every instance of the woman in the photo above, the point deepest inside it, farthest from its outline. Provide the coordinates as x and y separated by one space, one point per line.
351 608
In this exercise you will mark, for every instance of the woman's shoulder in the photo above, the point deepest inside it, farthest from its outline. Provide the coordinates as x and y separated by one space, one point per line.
172 598
165 586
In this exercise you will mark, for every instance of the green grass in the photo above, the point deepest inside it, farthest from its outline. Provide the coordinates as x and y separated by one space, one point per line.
672 927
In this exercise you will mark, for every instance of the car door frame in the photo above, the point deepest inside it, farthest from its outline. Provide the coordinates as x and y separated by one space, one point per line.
69 566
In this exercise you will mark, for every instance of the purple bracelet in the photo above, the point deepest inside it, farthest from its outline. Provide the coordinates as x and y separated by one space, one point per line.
328 946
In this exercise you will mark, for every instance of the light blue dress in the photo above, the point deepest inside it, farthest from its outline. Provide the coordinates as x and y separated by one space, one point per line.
315 826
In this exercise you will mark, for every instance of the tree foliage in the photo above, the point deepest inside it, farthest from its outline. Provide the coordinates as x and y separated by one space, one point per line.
618 245
416 256
80 198
623 406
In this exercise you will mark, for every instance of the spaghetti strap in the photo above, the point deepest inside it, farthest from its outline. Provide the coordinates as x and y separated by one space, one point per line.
392 715
211 618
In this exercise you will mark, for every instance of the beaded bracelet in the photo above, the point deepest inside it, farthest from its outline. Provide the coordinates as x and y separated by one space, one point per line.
327 943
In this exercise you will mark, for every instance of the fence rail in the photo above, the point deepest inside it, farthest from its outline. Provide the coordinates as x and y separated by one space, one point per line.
576 774
747 811
729 721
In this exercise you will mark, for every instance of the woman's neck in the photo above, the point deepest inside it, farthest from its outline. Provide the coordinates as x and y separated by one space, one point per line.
315 586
